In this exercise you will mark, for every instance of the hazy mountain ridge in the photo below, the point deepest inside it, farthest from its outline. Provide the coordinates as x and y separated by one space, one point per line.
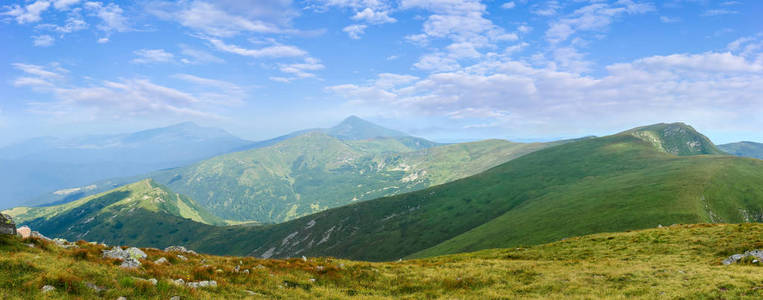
745 149
38 165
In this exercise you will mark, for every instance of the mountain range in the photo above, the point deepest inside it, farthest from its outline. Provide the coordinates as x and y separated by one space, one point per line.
312 170
639 178
30 168
745 149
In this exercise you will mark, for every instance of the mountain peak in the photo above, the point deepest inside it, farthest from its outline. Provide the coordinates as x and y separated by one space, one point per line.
355 128
675 138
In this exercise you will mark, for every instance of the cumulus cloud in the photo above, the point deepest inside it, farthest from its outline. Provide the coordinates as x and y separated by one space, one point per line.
370 11
708 86
29 13
43 40
146 56
228 18
304 69
125 97
355 30
508 5
593 17
111 15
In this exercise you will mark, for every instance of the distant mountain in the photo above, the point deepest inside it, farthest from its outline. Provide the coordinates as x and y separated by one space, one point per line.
745 149
625 181
314 171
126 215
30 168
354 128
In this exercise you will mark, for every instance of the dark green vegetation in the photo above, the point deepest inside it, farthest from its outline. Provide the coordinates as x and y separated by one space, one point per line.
613 183
142 213
745 149
675 262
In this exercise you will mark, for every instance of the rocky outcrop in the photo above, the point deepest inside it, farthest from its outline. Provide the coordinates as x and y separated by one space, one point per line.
756 255
7 226
130 258
180 249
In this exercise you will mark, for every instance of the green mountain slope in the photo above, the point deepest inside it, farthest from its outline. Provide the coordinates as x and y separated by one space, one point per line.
314 171
745 149
675 138
127 215
613 183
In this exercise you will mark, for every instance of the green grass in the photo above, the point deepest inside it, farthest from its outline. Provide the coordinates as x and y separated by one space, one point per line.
675 262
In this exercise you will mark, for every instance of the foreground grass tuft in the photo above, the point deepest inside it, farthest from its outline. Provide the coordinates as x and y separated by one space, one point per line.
679 262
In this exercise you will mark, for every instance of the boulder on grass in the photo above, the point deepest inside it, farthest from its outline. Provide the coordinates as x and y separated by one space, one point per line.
7 226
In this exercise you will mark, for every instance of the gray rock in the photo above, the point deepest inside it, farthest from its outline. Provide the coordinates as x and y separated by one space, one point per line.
37 234
175 298
183 258
161 260
180 249
758 254
136 253
48 288
153 281
246 271
6 225
200 284
116 253
179 281
122 298
130 263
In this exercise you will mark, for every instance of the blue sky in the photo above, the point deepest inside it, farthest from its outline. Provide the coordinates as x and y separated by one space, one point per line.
447 70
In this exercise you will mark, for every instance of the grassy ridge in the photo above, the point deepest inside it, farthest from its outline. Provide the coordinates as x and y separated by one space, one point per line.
143 213
314 171
677 262
619 182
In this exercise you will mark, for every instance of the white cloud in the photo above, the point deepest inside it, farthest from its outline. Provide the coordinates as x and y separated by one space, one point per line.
111 16
508 5
373 17
265 52
228 18
124 98
593 17
711 87
718 12
44 40
196 56
302 69
64 4
74 22
355 30
46 73
549 8
29 13
146 56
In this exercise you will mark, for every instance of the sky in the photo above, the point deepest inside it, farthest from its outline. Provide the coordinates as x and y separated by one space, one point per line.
447 70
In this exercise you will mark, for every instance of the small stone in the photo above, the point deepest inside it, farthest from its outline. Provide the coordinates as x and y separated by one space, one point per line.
30 245
175 298
48 288
161 260
251 293
237 269
312 279
246 271
304 258
122 298
130 263
179 281
183 258
153 281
